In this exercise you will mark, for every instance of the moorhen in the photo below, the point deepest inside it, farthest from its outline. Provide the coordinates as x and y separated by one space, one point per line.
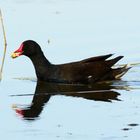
90 70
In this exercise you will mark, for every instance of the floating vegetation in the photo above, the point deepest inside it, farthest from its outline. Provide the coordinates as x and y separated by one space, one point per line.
128 65
26 78
5 45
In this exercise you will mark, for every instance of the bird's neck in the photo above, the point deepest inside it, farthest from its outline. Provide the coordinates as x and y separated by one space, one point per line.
41 65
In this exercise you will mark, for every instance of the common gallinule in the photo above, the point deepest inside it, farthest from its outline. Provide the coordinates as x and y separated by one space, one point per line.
89 70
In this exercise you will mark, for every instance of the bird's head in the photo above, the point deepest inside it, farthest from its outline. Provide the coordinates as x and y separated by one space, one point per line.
28 48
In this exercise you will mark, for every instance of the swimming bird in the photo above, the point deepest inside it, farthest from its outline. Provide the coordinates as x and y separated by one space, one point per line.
90 70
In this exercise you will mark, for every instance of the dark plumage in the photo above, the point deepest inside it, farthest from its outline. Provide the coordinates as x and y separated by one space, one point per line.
89 70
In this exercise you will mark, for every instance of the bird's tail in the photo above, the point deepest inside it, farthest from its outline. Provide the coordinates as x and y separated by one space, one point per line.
116 73
119 72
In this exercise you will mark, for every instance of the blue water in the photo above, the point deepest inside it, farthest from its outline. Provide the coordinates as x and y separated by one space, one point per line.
76 30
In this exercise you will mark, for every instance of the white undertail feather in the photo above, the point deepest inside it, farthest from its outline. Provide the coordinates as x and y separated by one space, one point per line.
125 69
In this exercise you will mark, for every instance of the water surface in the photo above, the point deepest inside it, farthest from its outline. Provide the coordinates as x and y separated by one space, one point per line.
76 30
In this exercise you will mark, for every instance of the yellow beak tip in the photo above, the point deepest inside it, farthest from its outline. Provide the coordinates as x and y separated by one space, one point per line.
13 55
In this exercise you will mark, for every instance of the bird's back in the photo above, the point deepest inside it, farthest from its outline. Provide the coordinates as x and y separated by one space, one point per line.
84 71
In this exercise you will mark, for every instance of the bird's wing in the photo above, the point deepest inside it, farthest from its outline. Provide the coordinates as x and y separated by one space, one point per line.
97 58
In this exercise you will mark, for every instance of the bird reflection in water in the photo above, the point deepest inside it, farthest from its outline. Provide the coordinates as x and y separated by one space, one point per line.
44 91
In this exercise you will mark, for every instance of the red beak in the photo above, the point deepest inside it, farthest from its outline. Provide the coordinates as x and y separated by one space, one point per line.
18 52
